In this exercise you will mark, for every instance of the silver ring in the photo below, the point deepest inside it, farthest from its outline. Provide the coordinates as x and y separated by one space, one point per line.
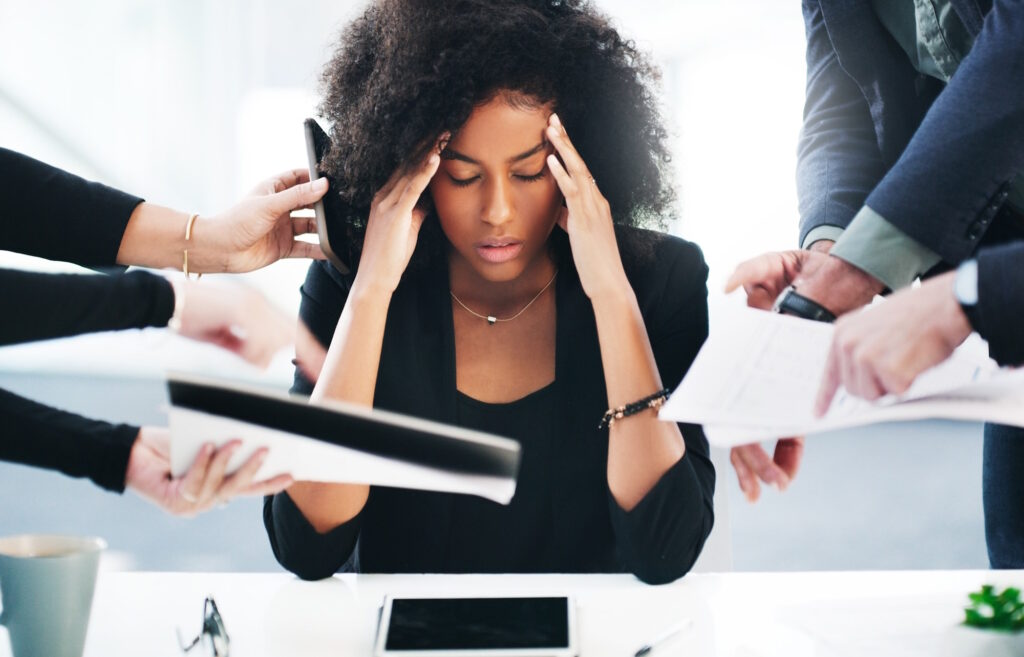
592 181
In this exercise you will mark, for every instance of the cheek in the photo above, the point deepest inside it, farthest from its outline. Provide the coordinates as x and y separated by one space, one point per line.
540 204
453 208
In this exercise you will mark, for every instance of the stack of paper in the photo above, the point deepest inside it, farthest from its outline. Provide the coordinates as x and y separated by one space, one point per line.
757 378
335 442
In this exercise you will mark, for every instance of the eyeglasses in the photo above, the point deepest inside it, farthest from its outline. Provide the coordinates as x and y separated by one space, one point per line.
213 637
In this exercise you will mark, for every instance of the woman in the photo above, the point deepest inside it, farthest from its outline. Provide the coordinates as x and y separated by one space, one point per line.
52 214
502 285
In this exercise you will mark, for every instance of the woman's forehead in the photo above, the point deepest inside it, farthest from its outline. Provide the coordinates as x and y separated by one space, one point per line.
501 131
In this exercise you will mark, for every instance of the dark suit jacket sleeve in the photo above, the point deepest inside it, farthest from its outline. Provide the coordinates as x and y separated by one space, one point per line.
59 305
1001 302
297 546
661 537
53 214
947 185
45 437
838 159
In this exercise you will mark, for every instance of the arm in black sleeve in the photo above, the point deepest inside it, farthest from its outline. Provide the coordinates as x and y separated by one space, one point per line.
43 306
53 214
1001 302
662 536
45 437
296 544
838 158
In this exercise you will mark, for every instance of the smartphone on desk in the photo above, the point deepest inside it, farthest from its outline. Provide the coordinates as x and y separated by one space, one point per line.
517 626
329 218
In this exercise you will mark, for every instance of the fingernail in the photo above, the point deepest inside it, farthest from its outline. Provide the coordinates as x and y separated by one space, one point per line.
555 120
320 184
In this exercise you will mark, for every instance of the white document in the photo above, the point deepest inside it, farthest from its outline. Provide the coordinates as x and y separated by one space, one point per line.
335 442
757 377
308 459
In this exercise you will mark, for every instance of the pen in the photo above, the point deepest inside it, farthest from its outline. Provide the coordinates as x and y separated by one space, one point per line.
664 636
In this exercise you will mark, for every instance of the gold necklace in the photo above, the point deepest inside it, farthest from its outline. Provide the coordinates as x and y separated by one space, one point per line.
491 319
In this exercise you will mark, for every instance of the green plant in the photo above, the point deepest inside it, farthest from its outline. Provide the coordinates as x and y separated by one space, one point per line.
995 610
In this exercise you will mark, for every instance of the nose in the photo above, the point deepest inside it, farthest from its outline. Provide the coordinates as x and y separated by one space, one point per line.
498 206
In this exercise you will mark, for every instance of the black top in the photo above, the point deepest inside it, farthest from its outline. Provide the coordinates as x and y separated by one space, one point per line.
564 518
52 214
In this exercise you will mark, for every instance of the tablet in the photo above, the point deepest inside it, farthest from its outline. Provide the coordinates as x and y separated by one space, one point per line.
518 626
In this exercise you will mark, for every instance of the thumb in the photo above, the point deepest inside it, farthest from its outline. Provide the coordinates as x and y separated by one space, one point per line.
297 196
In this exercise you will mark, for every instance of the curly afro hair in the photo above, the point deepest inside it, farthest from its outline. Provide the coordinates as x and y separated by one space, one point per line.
407 70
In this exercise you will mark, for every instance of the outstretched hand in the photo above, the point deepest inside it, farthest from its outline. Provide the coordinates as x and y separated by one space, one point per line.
260 229
204 486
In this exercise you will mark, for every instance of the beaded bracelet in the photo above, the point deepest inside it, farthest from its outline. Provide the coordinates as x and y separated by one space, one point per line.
650 401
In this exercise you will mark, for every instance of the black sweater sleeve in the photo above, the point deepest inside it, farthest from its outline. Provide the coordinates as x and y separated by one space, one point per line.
44 306
297 546
45 437
53 214
660 539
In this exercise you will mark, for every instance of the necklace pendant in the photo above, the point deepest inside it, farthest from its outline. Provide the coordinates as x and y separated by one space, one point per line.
491 320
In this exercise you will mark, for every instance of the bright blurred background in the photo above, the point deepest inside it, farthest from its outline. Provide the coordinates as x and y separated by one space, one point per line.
190 103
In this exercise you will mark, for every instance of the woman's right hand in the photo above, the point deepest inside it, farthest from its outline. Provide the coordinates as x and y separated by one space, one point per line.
394 224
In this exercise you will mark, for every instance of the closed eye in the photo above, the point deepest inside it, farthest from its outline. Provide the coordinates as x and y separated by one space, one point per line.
462 182
532 178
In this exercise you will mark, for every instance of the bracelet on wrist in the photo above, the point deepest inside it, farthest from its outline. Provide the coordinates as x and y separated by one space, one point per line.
654 401
188 238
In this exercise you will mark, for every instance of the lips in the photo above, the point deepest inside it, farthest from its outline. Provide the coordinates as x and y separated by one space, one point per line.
498 250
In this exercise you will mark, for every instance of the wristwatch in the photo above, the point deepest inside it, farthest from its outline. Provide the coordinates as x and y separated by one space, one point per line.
792 303
965 289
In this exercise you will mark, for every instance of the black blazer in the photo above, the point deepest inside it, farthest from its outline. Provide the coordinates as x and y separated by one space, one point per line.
659 540
933 160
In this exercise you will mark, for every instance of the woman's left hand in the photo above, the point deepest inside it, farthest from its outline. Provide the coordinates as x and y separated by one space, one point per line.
259 229
587 218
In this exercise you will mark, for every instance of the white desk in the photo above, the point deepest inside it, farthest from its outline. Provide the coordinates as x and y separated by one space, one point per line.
738 615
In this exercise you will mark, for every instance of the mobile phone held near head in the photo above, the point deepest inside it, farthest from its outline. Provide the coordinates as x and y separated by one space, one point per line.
330 228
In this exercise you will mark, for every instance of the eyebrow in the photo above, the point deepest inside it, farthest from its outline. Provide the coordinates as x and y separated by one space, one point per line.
451 154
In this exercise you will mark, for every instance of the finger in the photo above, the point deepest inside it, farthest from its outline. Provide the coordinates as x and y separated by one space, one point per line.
303 225
216 472
747 481
789 452
559 138
830 381
304 249
417 183
761 270
192 483
764 467
759 297
243 476
297 196
291 178
269 486
565 182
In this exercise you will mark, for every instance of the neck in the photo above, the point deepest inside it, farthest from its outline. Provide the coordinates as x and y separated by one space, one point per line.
499 297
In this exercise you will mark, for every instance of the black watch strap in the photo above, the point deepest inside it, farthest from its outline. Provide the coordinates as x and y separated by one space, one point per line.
797 304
